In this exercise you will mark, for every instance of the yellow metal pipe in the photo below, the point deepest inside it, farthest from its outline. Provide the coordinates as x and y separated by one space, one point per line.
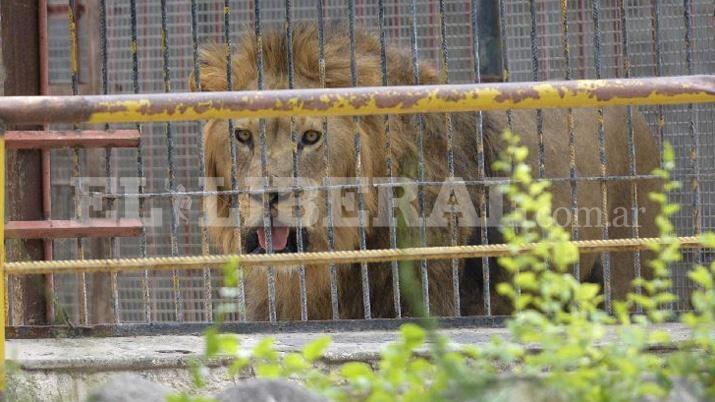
358 101
317 258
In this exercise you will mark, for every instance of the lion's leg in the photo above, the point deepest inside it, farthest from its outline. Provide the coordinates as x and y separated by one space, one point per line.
441 295
256 286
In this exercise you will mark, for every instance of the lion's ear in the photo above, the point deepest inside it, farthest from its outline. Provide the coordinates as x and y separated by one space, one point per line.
212 69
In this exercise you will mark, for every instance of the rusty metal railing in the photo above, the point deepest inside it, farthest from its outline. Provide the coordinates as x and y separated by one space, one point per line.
360 101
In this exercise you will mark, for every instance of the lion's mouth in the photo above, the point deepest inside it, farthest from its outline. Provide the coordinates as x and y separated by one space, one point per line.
284 240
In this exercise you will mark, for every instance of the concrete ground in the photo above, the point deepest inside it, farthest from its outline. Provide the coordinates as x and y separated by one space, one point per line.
66 369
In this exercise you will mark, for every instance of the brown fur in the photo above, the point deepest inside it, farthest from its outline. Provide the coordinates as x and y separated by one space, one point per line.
403 131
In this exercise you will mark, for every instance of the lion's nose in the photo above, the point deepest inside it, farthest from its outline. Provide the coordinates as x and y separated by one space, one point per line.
274 197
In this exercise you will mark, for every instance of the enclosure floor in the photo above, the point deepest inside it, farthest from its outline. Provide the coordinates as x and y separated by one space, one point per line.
66 369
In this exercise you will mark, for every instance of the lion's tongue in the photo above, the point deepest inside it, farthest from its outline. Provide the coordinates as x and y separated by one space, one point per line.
279 235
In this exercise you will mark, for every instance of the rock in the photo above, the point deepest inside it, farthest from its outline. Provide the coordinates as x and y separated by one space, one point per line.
260 390
129 388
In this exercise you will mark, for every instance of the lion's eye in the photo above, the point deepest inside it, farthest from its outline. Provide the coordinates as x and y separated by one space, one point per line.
310 137
242 135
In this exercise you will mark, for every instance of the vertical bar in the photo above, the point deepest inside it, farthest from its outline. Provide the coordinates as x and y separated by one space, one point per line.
48 243
76 164
267 220
507 77
296 165
420 162
660 127
45 155
74 61
140 156
113 243
203 222
506 73
3 299
658 66
481 168
444 72
20 36
605 256
631 148
572 138
357 142
535 77
166 75
394 267
234 175
335 308
694 137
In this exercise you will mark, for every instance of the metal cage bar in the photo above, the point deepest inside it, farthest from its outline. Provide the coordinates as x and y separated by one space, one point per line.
357 141
420 162
3 273
570 128
145 280
334 297
72 18
235 202
170 146
394 266
605 257
203 220
358 101
302 289
444 72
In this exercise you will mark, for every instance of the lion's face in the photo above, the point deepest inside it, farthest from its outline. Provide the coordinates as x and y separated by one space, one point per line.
316 152
268 170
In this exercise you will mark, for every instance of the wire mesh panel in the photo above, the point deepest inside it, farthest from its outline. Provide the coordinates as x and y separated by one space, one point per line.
151 48
665 56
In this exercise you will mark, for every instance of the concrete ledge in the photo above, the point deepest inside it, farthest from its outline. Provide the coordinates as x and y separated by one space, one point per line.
66 369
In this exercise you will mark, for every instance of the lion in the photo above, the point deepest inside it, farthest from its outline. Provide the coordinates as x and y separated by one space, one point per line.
321 153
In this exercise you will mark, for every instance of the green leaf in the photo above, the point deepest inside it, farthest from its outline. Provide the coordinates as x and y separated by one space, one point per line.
269 370
412 336
295 363
526 280
587 291
668 152
701 276
228 344
264 350
708 239
212 342
506 289
523 300
316 349
621 309
565 254
237 365
355 370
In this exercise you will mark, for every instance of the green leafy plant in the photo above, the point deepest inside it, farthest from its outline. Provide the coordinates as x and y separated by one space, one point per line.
558 332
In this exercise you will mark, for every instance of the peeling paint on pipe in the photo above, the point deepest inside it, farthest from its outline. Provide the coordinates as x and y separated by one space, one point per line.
357 101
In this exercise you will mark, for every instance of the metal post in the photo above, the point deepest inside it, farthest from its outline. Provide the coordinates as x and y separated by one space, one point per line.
2 260
21 61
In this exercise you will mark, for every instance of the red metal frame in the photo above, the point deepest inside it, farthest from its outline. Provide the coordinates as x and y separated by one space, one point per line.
64 229
61 139
46 140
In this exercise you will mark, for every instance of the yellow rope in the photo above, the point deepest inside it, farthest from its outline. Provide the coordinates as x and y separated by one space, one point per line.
317 258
